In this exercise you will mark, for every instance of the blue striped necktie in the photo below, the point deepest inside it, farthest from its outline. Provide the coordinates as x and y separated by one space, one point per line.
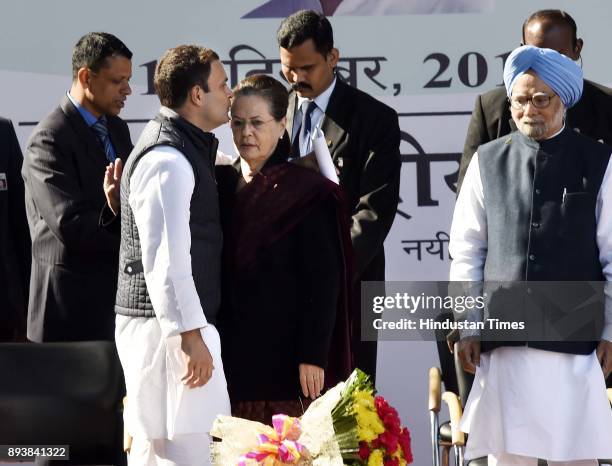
308 106
308 118
102 131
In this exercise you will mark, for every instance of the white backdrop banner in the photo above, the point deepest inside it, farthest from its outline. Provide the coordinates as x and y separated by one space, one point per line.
426 58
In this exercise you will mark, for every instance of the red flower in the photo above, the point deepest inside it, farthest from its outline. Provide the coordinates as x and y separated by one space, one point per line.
392 421
390 461
381 405
387 414
364 450
404 441
390 441
376 443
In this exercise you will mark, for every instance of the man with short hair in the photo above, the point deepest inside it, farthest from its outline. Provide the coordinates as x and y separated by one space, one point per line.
74 259
535 206
168 292
363 137
591 116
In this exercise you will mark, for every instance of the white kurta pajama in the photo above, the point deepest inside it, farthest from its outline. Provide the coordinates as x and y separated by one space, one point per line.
169 422
526 401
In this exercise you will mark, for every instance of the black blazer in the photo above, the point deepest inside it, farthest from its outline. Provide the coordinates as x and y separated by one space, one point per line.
74 260
363 136
491 119
14 239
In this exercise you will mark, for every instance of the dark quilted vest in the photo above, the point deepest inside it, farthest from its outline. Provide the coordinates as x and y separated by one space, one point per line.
200 149
540 199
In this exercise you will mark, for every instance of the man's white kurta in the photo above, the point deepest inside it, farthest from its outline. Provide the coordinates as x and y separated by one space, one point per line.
526 401
159 405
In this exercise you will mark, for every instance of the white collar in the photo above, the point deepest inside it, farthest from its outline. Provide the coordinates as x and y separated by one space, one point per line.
322 100
168 112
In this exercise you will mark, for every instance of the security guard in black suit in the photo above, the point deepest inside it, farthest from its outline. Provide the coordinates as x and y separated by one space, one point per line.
591 116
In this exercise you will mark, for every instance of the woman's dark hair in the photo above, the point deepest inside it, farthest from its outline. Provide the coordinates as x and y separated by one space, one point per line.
179 69
269 89
92 50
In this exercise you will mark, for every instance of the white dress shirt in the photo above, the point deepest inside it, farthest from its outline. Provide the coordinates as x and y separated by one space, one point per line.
316 117
161 187
159 405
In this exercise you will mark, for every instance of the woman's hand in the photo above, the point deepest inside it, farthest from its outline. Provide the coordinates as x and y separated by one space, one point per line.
311 380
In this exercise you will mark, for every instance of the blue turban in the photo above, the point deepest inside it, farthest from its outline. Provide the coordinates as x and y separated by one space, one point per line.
559 72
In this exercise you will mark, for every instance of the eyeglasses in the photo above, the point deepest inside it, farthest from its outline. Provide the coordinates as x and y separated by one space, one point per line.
238 124
538 100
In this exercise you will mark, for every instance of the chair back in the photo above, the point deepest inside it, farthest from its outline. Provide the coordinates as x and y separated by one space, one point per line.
447 363
63 394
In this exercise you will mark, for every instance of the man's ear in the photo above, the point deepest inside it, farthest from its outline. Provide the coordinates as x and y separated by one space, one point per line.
578 47
333 56
196 95
83 77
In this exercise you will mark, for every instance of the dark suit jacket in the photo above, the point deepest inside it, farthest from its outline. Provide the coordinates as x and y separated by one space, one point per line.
74 259
363 136
14 239
491 119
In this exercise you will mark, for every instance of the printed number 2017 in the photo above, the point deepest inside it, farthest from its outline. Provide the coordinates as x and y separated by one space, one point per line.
465 69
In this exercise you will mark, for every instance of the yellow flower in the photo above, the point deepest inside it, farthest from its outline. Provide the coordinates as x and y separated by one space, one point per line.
364 398
369 425
376 458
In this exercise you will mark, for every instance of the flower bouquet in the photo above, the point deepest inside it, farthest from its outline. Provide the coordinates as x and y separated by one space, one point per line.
348 425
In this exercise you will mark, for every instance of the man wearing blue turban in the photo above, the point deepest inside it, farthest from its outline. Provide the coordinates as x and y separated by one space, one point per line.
592 114
536 205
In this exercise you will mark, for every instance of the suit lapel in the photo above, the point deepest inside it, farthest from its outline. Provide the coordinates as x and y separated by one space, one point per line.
115 132
512 124
577 117
291 113
506 118
334 133
86 134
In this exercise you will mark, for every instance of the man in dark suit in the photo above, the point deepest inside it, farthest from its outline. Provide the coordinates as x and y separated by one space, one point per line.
74 259
363 137
591 116
14 239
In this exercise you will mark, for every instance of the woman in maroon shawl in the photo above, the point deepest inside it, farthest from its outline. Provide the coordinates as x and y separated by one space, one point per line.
284 316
